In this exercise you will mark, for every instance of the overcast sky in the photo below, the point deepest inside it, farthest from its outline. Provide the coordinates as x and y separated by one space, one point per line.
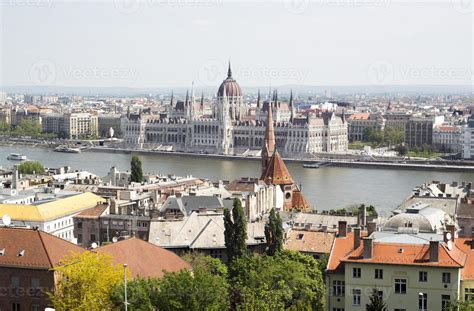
169 43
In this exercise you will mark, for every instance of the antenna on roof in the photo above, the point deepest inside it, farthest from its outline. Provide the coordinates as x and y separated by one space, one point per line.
6 219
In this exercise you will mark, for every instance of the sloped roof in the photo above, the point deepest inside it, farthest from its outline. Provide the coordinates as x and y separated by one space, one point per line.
144 259
277 173
41 250
412 254
310 241
467 273
341 247
298 201
51 210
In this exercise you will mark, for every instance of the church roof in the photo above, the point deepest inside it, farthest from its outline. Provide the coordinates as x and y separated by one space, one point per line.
277 173
298 202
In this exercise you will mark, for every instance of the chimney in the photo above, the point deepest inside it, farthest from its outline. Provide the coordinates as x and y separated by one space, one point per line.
356 237
363 215
434 249
472 244
371 227
342 231
368 249
452 230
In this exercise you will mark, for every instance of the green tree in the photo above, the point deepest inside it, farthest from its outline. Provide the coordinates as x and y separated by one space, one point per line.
27 127
198 291
376 303
206 263
85 282
136 170
31 167
274 233
460 306
288 280
4 127
235 233
140 293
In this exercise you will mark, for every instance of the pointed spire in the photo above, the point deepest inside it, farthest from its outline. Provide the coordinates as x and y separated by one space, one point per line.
187 97
229 71
172 98
292 110
258 99
270 133
202 100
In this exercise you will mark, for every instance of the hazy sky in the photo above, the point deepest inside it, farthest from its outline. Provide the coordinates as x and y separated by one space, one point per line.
166 43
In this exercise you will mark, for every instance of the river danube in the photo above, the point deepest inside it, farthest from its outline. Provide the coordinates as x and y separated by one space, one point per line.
325 188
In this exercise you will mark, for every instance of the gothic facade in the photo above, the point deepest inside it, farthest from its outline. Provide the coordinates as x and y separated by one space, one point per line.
229 128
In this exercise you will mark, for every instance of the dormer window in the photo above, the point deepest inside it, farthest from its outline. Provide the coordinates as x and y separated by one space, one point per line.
21 253
299 236
2 252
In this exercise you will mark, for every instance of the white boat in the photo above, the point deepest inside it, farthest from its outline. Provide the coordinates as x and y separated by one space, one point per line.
16 157
67 149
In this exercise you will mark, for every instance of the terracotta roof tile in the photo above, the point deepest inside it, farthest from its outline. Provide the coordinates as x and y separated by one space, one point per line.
144 259
467 273
298 201
310 241
41 250
277 173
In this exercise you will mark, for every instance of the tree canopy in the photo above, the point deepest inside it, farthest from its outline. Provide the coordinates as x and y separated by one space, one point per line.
136 170
274 233
376 302
235 233
86 282
31 167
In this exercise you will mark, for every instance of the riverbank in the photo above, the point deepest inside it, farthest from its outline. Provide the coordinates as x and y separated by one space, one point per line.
334 160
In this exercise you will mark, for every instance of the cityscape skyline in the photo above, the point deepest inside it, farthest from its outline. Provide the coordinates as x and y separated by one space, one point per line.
341 48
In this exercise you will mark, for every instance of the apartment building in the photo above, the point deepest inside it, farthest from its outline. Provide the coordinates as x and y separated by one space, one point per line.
448 138
409 271
71 125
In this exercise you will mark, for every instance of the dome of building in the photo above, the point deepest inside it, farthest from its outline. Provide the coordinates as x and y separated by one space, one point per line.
232 88
427 219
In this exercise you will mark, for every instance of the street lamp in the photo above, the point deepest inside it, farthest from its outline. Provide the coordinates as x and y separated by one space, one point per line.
125 285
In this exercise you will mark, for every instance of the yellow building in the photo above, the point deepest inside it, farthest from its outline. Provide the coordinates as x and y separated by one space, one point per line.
55 217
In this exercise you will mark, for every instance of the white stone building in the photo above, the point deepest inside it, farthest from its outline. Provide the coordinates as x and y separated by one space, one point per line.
231 129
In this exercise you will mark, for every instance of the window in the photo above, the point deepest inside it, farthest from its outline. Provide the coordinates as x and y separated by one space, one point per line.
423 276
400 286
93 237
339 288
79 224
400 309
356 272
35 287
337 309
422 301
446 277
35 308
15 307
469 294
299 236
356 297
379 274
445 302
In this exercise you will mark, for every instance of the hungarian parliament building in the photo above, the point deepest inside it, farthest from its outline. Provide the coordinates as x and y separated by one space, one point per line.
233 127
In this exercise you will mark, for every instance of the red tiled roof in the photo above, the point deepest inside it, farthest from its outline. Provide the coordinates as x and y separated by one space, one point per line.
277 173
310 241
412 254
360 116
93 212
144 259
41 250
298 201
467 273
342 246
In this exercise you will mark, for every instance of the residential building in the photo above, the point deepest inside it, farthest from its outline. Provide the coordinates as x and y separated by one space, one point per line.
419 130
359 123
408 271
143 259
468 144
311 243
27 259
54 217
448 138
71 125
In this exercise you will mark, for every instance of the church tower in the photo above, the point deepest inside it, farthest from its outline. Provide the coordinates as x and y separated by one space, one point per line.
269 143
